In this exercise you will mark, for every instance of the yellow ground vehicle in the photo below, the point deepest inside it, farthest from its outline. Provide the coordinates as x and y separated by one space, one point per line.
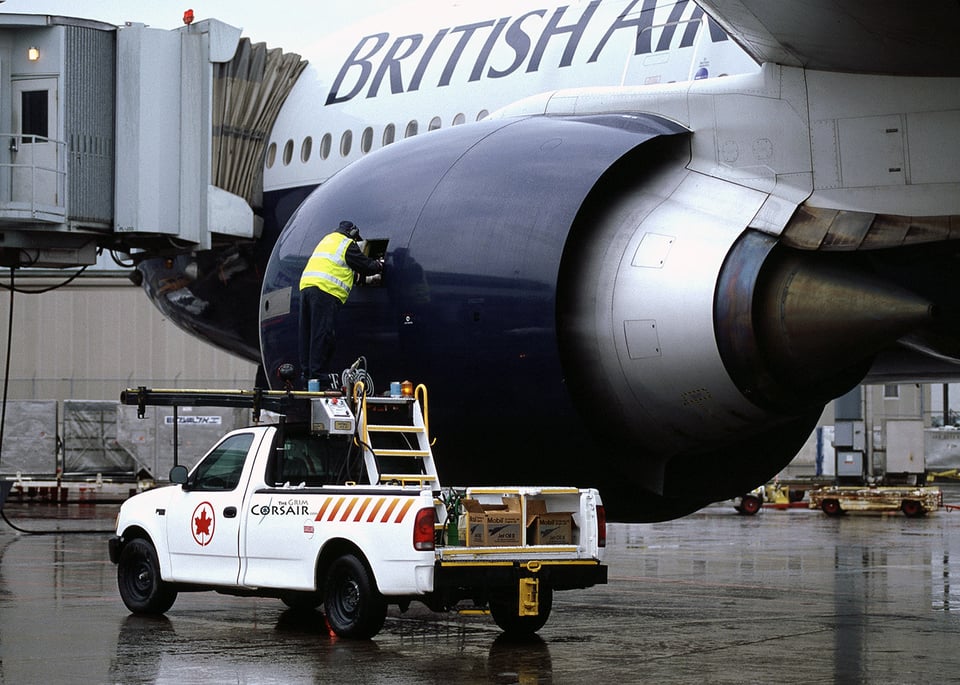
913 501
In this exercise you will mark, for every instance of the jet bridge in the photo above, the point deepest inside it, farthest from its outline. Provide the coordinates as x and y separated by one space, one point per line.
131 138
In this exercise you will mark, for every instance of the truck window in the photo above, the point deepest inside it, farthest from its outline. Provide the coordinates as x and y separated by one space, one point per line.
312 461
221 469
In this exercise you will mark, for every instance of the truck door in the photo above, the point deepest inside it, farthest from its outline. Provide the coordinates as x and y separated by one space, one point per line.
203 532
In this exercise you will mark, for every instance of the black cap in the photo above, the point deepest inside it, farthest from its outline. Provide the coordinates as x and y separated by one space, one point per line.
348 228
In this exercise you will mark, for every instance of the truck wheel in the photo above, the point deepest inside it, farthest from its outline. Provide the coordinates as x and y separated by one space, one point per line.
831 507
351 601
505 608
138 578
749 505
911 508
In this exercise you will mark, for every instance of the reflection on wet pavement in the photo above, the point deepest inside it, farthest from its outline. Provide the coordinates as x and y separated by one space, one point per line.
715 596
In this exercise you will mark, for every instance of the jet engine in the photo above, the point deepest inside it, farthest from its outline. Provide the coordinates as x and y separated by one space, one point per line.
585 309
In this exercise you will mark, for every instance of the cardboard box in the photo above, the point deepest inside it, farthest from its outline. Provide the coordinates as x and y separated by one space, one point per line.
503 528
553 529
502 525
547 528
535 507
474 524
490 525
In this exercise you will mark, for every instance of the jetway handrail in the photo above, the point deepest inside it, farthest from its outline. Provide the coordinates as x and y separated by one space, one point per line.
14 142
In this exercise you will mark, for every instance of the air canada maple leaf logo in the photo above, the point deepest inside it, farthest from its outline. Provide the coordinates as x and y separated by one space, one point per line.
203 523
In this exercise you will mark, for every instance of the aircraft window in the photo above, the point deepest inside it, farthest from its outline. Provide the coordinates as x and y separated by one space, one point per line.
412 128
434 124
346 142
459 119
271 155
389 134
366 140
305 149
287 152
483 114
325 144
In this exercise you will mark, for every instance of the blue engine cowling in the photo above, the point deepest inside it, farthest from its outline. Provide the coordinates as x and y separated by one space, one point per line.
486 300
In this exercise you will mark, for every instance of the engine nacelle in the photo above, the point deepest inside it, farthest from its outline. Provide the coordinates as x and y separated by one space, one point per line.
553 281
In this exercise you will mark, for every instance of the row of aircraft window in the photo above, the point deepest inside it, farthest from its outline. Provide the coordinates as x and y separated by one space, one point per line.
346 140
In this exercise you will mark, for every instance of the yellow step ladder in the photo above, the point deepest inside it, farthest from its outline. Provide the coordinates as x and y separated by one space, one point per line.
394 435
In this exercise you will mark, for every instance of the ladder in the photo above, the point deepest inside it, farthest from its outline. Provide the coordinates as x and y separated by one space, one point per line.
393 433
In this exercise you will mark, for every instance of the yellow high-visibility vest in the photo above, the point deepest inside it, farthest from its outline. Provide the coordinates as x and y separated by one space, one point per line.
327 267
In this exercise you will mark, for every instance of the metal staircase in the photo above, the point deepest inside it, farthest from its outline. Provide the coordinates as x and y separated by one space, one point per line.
394 435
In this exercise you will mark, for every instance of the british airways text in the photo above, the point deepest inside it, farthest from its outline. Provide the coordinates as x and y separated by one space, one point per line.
403 61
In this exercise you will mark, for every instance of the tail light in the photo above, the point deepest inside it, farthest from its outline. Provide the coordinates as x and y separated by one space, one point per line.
601 526
423 530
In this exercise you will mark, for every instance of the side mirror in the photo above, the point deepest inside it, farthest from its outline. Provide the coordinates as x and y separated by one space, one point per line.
178 474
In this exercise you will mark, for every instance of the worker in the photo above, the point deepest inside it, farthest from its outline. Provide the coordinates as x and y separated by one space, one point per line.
325 284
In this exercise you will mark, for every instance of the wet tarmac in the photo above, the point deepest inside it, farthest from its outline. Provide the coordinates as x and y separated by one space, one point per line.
788 596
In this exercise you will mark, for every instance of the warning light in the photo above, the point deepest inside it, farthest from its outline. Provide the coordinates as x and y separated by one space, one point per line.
406 389
188 17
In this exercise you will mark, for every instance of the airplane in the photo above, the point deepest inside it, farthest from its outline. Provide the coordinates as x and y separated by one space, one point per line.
637 245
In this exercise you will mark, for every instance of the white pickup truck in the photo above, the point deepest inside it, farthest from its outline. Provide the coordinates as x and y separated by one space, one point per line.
345 509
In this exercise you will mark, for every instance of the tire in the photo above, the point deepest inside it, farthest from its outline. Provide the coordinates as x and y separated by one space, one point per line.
505 608
911 508
831 507
750 505
138 578
351 601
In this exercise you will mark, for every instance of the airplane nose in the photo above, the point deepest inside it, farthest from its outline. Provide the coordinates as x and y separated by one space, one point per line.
816 318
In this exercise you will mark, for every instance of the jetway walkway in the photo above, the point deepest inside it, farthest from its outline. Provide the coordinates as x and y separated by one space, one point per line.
131 138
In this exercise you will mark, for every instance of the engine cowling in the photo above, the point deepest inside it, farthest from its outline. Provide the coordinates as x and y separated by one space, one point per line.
561 285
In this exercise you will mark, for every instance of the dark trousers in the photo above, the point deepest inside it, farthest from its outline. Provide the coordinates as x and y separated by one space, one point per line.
318 338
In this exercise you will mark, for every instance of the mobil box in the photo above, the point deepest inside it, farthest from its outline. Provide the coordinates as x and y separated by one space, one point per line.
503 528
553 529
548 528
473 523
490 525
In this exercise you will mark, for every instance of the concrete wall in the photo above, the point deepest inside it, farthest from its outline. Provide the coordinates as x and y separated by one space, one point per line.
98 335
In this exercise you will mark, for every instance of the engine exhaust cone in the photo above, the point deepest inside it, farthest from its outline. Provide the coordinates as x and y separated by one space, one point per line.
815 319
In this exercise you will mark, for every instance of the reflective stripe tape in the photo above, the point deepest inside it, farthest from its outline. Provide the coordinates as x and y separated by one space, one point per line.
362 508
323 509
373 514
336 508
403 511
352 509
350 506
386 514
326 277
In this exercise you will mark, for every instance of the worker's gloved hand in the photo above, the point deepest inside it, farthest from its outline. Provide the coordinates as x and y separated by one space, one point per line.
373 280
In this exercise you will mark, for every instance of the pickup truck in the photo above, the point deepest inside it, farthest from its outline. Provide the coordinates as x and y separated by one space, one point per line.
339 503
